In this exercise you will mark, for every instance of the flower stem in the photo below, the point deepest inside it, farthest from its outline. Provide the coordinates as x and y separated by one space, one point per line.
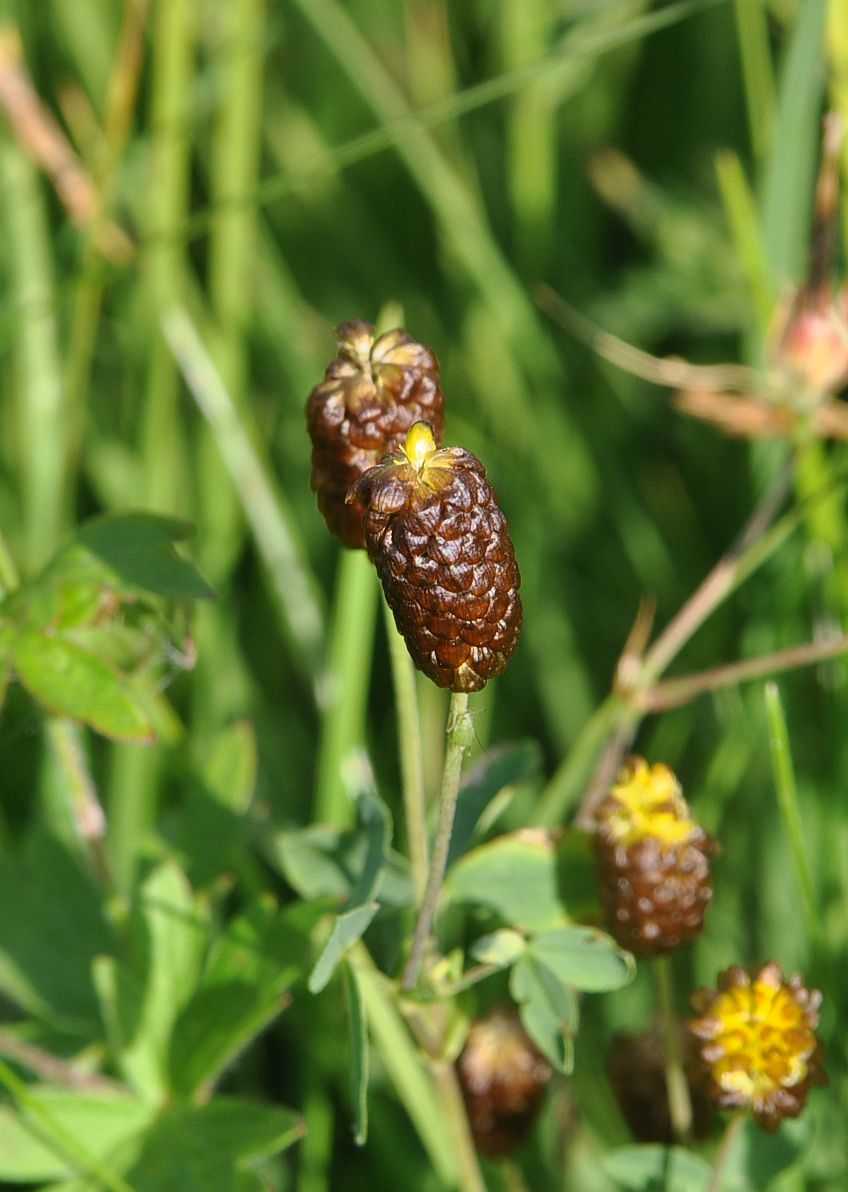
469 1175
679 1102
790 812
411 755
457 743
730 1135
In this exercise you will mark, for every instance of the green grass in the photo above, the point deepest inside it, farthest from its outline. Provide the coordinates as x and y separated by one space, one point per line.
281 167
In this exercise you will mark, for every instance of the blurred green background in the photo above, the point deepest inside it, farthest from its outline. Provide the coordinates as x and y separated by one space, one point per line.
278 166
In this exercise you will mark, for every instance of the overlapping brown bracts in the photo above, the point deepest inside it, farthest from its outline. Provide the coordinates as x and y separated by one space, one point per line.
653 862
655 894
370 396
441 547
503 1077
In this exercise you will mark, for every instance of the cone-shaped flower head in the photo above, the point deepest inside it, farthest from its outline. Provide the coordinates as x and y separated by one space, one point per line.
503 1078
371 394
653 861
759 1043
440 545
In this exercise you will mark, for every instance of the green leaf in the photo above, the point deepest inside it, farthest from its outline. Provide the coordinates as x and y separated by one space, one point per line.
790 176
515 876
212 825
359 1054
322 861
377 822
139 549
260 955
653 1168
502 948
230 770
99 1122
548 1010
48 944
143 993
583 958
347 929
495 775
351 925
70 681
202 1149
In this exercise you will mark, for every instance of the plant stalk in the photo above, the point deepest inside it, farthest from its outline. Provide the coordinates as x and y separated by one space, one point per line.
457 743
411 754
787 798
731 1133
469 1175
677 1088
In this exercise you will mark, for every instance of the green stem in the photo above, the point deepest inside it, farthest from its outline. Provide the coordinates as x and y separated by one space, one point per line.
294 586
753 34
10 580
343 728
787 798
469 1174
457 743
40 399
731 1133
411 754
404 1066
679 1101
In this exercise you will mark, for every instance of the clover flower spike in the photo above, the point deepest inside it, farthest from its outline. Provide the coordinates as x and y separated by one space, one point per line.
442 550
759 1043
371 394
652 861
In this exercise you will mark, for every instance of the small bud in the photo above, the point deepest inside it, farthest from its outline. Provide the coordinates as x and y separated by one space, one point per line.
442 550
653 862
372 393
758 1042
503 1077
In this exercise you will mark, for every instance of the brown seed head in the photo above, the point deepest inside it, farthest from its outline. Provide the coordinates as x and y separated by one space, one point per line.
503 1078
758 1042
371 394
441 547
653 862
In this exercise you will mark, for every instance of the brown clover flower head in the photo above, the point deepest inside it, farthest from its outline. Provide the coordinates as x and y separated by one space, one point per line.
442 550
503 1077
652 861
370 396
759 1043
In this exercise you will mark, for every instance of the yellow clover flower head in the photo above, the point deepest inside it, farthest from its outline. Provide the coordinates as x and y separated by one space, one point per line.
759 1044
